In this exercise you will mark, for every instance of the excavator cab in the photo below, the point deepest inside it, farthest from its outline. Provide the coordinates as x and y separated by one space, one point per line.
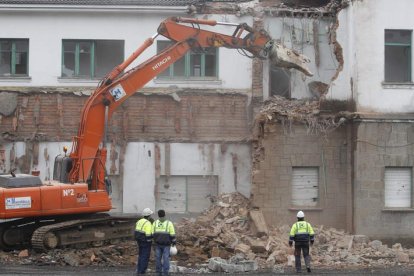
61 168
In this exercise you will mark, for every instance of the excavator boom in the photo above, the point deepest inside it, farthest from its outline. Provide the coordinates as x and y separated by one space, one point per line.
187 34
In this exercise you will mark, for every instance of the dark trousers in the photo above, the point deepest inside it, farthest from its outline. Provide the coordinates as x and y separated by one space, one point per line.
144 252
304 247
162 259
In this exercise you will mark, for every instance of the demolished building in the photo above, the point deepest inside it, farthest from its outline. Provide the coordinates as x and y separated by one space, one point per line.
342 152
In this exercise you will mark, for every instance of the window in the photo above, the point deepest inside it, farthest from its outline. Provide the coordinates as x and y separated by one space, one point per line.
90 58
200 64
398 55
279 82
14 56
398 192
305 182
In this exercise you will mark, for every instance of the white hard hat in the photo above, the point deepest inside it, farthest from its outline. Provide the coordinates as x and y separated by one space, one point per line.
173 250
300 214
147 212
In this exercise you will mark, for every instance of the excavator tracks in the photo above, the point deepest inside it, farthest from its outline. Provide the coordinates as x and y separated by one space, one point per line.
82 232
87 231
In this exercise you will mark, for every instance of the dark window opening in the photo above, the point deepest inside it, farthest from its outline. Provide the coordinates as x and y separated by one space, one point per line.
90 59
398 55
280 82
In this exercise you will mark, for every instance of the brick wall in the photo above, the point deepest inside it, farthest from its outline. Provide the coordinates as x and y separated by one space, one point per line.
196 117
284 147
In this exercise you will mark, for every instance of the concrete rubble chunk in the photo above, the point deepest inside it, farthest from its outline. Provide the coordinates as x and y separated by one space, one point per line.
345 242
24 253
397 247
8 103
221 265
242 248
375 244
257 246
259 222
72 259
361 239
402 257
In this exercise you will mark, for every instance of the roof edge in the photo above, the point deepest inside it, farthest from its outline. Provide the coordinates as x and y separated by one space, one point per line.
94 8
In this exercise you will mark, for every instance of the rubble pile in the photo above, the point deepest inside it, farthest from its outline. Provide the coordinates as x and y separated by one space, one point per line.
232 236
230 228
306 111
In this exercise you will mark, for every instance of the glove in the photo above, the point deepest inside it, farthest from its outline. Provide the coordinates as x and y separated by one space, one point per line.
290 243
312 241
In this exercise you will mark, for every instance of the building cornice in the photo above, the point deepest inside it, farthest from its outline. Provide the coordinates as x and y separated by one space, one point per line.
94 8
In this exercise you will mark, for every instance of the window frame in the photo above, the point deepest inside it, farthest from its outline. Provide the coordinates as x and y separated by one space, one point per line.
187 65
410 55
13 53
76 74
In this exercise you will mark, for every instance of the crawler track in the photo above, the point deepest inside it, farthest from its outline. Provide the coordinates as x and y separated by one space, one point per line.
86 231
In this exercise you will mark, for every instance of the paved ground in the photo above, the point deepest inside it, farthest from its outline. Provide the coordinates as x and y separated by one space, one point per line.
124 271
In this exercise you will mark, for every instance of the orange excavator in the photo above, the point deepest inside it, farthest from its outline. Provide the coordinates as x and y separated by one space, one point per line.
71 209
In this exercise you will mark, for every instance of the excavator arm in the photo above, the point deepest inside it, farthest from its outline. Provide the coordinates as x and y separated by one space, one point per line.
186 34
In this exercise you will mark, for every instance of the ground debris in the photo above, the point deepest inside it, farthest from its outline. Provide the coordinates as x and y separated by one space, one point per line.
224 237
333 248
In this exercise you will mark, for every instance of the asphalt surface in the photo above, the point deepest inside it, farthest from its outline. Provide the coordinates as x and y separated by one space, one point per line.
124 271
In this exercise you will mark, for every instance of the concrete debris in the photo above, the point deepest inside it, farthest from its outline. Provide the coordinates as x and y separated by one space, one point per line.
223 239
211 238
278 109
259 222
23 254
318 89
234 265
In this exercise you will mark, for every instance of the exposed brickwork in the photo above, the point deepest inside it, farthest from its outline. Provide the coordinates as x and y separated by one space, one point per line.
272 175
257 76
197 117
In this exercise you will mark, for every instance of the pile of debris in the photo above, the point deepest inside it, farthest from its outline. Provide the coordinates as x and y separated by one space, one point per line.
284 111
232 228
232 236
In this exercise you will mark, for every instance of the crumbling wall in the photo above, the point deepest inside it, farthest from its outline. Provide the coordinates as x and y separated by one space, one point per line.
196 115
42 121
293 133
288 146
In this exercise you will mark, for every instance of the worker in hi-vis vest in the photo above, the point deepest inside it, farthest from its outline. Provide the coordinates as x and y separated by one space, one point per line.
143 236
164 236
302 234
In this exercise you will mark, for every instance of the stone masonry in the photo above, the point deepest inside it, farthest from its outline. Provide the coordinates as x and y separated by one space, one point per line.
380 145
291 146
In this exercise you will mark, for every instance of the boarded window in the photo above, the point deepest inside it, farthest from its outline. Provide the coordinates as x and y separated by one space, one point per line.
14 57
398 55
90 58
200 64
185 194
305 183
398 187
